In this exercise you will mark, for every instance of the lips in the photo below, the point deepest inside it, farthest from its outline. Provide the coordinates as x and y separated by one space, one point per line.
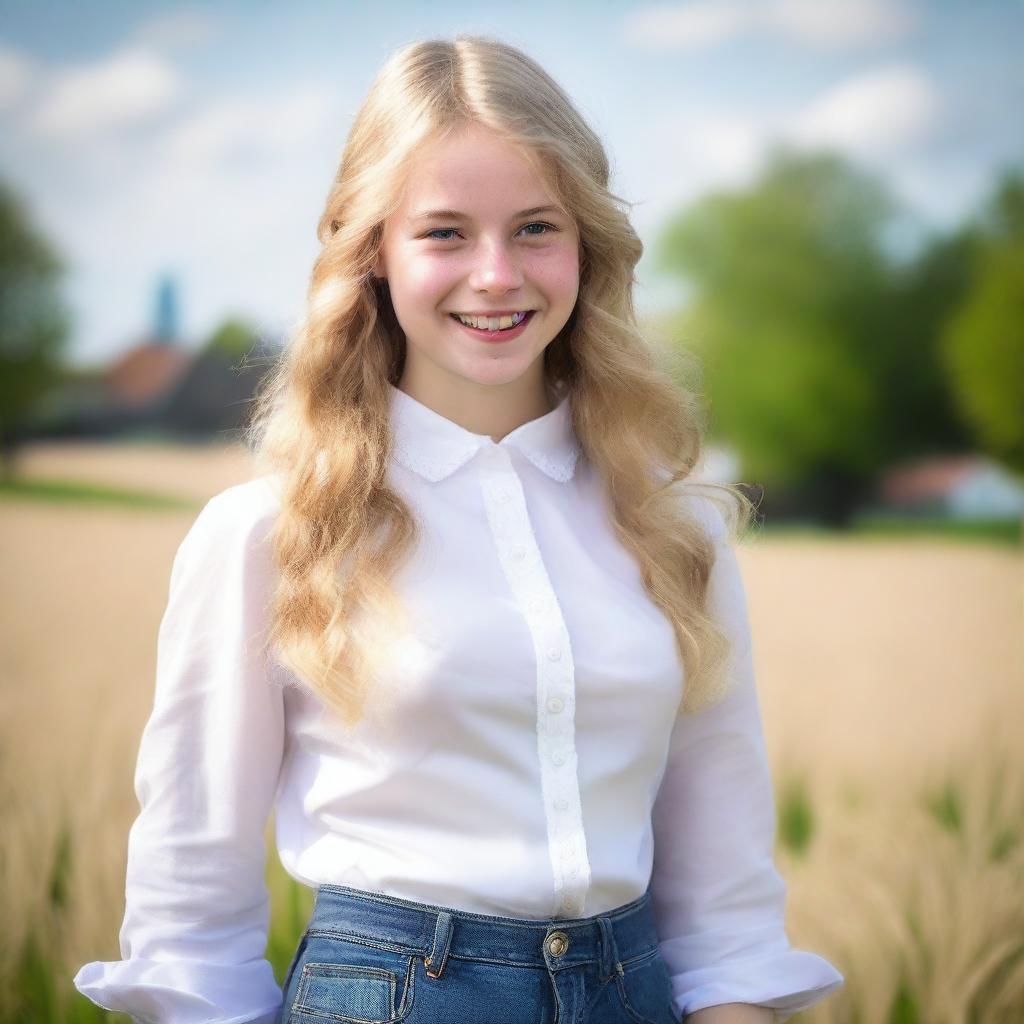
492 319
495 336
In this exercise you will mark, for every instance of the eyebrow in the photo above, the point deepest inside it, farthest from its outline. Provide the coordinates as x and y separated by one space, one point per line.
457 215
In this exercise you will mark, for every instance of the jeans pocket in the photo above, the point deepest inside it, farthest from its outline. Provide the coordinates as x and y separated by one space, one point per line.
645 989
347 992
338 979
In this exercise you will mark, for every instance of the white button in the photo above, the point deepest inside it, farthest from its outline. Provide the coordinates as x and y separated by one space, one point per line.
557 758
555 654
519 553
556 704
561 804
504 494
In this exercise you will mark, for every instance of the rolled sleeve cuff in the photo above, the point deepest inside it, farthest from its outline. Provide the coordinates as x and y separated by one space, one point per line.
182 992
786 982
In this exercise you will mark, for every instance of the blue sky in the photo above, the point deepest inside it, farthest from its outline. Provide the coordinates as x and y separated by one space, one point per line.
200 140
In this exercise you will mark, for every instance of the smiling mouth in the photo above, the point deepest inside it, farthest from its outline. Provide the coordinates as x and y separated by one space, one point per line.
493 324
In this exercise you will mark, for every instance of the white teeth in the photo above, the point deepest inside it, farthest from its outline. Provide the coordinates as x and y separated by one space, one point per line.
492 323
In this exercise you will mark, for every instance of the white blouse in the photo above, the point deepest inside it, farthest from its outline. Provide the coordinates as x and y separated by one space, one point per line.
528 762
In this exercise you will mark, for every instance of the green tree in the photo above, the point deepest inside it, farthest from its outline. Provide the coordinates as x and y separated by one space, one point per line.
34 323
920 415
820 347
983 343
234 339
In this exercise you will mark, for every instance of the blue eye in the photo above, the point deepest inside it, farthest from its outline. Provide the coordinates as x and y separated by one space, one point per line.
444 234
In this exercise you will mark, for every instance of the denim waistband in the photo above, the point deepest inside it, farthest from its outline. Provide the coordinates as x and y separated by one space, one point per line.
437 932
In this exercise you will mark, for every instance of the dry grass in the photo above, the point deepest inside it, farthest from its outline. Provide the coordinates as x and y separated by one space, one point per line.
181 470
889 674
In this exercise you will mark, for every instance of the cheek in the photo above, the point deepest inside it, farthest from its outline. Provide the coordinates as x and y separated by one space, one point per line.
559 272
428 280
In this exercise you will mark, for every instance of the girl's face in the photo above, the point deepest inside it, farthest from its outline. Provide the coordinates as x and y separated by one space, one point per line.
478 234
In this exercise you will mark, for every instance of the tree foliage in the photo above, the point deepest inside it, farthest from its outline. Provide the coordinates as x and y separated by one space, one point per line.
34 323
983 343
233 339
819 347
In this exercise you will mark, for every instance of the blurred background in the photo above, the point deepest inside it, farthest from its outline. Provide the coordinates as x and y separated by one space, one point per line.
831 199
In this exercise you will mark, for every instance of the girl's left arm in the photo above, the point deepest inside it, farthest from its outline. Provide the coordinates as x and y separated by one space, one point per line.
197 910
719 901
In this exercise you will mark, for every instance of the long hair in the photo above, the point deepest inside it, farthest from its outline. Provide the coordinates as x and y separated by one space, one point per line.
320 422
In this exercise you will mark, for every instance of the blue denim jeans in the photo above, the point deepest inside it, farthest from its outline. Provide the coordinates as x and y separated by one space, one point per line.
366 957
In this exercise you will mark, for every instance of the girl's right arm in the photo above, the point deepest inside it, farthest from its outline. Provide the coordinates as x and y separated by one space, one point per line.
718 897
196 904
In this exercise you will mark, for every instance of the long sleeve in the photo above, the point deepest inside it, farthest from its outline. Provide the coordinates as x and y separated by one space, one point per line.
718 898
194 932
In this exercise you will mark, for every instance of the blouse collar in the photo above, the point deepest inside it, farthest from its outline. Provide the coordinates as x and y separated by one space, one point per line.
434 446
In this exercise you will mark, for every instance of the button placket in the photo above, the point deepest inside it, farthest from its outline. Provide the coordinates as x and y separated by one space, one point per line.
524 569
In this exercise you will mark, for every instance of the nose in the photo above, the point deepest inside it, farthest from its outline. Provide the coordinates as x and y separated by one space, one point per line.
495 268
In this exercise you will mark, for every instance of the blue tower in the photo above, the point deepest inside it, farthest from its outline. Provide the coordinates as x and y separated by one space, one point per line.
166 327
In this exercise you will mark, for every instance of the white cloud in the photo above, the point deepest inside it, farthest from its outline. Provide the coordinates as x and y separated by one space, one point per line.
129 88
181 28
16 73
875 118
875 113
701 149
227 196
233 173
817 23
242 131
719 146
878 111
841 22
688 26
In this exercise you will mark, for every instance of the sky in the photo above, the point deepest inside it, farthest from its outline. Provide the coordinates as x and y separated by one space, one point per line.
200 140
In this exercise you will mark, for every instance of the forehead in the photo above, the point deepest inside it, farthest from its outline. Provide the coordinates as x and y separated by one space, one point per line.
472 167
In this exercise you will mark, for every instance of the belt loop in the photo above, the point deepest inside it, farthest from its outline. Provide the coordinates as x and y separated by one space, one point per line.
609 954
438 956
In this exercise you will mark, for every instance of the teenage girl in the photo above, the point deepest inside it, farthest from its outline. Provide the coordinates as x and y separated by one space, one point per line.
472 632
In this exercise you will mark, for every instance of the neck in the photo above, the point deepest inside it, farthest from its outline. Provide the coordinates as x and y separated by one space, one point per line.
492 410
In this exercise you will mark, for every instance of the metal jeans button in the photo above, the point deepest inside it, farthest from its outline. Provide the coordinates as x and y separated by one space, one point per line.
557 943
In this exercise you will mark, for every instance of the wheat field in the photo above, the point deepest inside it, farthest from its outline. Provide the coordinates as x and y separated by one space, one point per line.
890 675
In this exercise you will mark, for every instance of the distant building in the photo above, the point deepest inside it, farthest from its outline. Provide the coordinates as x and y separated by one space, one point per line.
213 395
145 373
167 310
155 390
957 487
158 387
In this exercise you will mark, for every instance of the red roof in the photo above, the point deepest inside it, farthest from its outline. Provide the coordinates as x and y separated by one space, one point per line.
146 372
929 478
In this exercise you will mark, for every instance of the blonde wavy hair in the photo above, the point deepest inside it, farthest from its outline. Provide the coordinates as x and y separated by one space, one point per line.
320 422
